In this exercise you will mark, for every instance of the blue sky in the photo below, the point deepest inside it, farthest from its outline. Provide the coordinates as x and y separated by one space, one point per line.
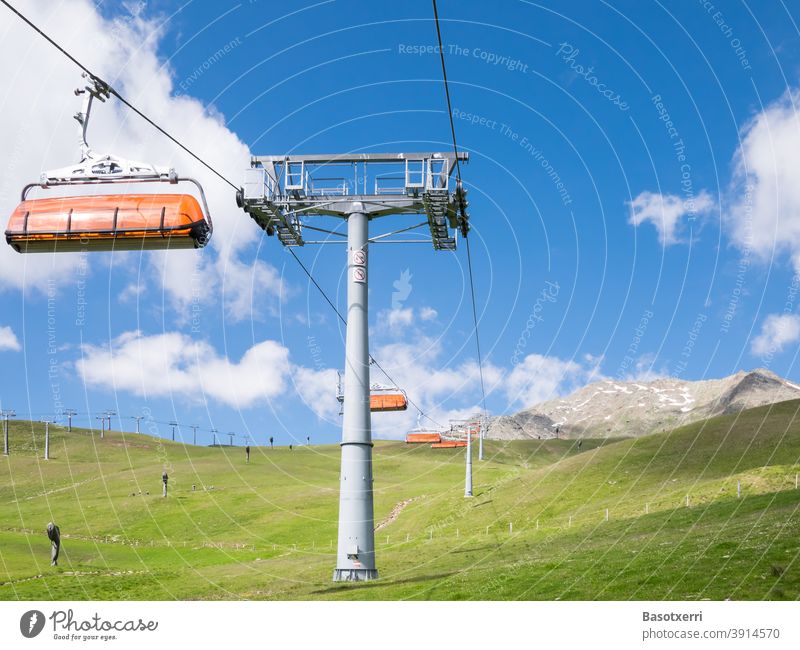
631 189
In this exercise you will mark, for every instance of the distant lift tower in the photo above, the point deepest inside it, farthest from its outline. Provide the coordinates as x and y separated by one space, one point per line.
280 194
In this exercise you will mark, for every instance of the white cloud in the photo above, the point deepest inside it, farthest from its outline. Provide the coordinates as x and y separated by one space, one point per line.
539 378
398 320
173 364
777 331
666 211
37 132
8 340
428 313
132 292
643 370
765 213
241 284
317 389
443 390
394 320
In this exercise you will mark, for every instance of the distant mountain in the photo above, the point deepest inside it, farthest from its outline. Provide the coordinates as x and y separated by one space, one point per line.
616 408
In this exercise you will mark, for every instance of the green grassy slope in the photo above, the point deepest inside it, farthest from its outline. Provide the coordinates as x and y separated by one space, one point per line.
267 529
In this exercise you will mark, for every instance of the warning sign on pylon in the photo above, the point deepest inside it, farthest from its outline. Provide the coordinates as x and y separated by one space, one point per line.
359 274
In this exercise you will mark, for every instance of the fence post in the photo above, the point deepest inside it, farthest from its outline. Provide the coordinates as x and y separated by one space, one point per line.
487 530
570 521
510 528
738 489
647 508
687 500
606 514
537 524
408 535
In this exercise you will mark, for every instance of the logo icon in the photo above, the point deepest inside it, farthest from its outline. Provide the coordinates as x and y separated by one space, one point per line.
31 623
402 288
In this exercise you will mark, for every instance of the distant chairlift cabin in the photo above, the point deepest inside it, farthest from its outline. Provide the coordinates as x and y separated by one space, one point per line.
421 435
458 433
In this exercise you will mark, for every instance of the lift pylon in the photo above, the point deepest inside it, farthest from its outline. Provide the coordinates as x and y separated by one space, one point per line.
282 193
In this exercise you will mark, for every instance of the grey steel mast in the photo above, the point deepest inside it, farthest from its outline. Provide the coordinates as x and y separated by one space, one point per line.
5 414
281 193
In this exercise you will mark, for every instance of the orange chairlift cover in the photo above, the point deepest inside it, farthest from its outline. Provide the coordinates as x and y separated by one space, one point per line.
388 402
447 444
108 222
423 437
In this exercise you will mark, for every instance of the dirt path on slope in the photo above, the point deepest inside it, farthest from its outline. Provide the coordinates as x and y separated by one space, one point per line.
395 513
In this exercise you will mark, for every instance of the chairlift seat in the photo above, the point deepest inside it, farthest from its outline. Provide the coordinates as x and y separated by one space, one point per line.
388 401
108 222
422 438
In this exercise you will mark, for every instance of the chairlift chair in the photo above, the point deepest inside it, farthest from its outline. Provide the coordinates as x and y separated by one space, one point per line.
460 431
123 221
449 444
381 398
387 398
421 435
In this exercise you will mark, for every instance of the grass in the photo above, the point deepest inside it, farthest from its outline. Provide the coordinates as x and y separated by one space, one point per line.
230 530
